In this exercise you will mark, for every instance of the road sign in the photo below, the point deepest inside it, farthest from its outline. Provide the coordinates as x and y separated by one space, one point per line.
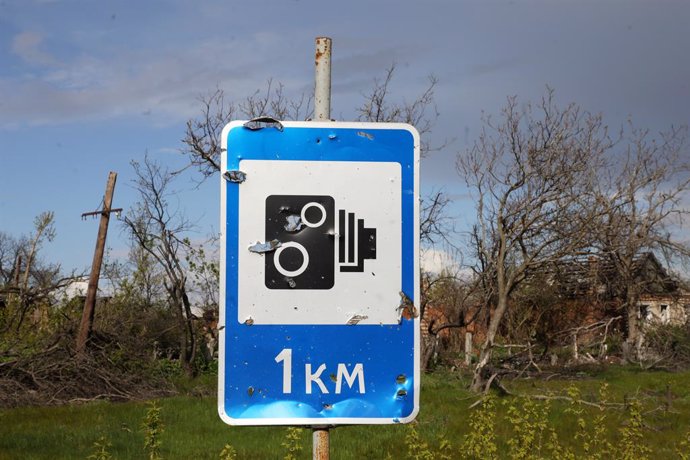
319 274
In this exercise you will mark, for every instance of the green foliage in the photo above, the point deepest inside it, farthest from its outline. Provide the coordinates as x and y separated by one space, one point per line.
602 446
417 448
153 429
169 368
683 447
480 441
445 449
292 443
529 423
632 445
101 449
228 453
209 368
577 411
205 275
555 448
193 430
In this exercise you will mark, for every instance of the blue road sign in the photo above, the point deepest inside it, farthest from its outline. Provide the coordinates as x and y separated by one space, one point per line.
319 274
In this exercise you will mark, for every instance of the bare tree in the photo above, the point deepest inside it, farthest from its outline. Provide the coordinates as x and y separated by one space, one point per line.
44 230
640 197
202 135
10 260
145 282
435 225
159 230
420 113
29 280
450 293
531 176
205 271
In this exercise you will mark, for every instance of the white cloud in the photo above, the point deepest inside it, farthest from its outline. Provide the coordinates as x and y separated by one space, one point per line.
133 82
436 261
26 45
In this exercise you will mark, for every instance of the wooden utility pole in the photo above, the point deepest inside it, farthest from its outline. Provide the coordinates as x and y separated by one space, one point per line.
17 270
90 302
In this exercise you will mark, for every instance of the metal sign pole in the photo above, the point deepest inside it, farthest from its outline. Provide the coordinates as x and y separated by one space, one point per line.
322 86
322 112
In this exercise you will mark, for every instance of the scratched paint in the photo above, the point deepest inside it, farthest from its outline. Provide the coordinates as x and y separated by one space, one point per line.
261 248
294 223
235 176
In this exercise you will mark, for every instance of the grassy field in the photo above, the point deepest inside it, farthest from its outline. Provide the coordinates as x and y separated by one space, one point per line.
193 430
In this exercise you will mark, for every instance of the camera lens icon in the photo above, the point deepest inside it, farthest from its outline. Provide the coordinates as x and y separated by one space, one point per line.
291 273
308 206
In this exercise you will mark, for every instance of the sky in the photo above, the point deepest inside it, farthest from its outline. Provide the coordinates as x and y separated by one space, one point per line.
86 86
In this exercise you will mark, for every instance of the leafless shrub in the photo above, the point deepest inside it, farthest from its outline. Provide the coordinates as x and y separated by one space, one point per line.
55 375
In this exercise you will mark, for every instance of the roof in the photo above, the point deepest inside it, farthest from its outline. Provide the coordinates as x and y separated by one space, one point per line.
598 275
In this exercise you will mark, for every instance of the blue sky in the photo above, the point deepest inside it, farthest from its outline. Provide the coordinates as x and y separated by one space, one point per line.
87 85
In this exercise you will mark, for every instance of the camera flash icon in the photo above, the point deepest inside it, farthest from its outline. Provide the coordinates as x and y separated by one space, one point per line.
355 242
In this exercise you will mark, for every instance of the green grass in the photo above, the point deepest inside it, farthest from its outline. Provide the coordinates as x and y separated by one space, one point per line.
192 429
665 398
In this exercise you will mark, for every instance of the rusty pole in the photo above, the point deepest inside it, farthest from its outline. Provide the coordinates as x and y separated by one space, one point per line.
321 443
90 302
322 87
322 112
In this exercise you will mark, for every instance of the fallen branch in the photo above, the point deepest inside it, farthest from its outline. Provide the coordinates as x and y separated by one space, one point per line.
568 399
53 376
